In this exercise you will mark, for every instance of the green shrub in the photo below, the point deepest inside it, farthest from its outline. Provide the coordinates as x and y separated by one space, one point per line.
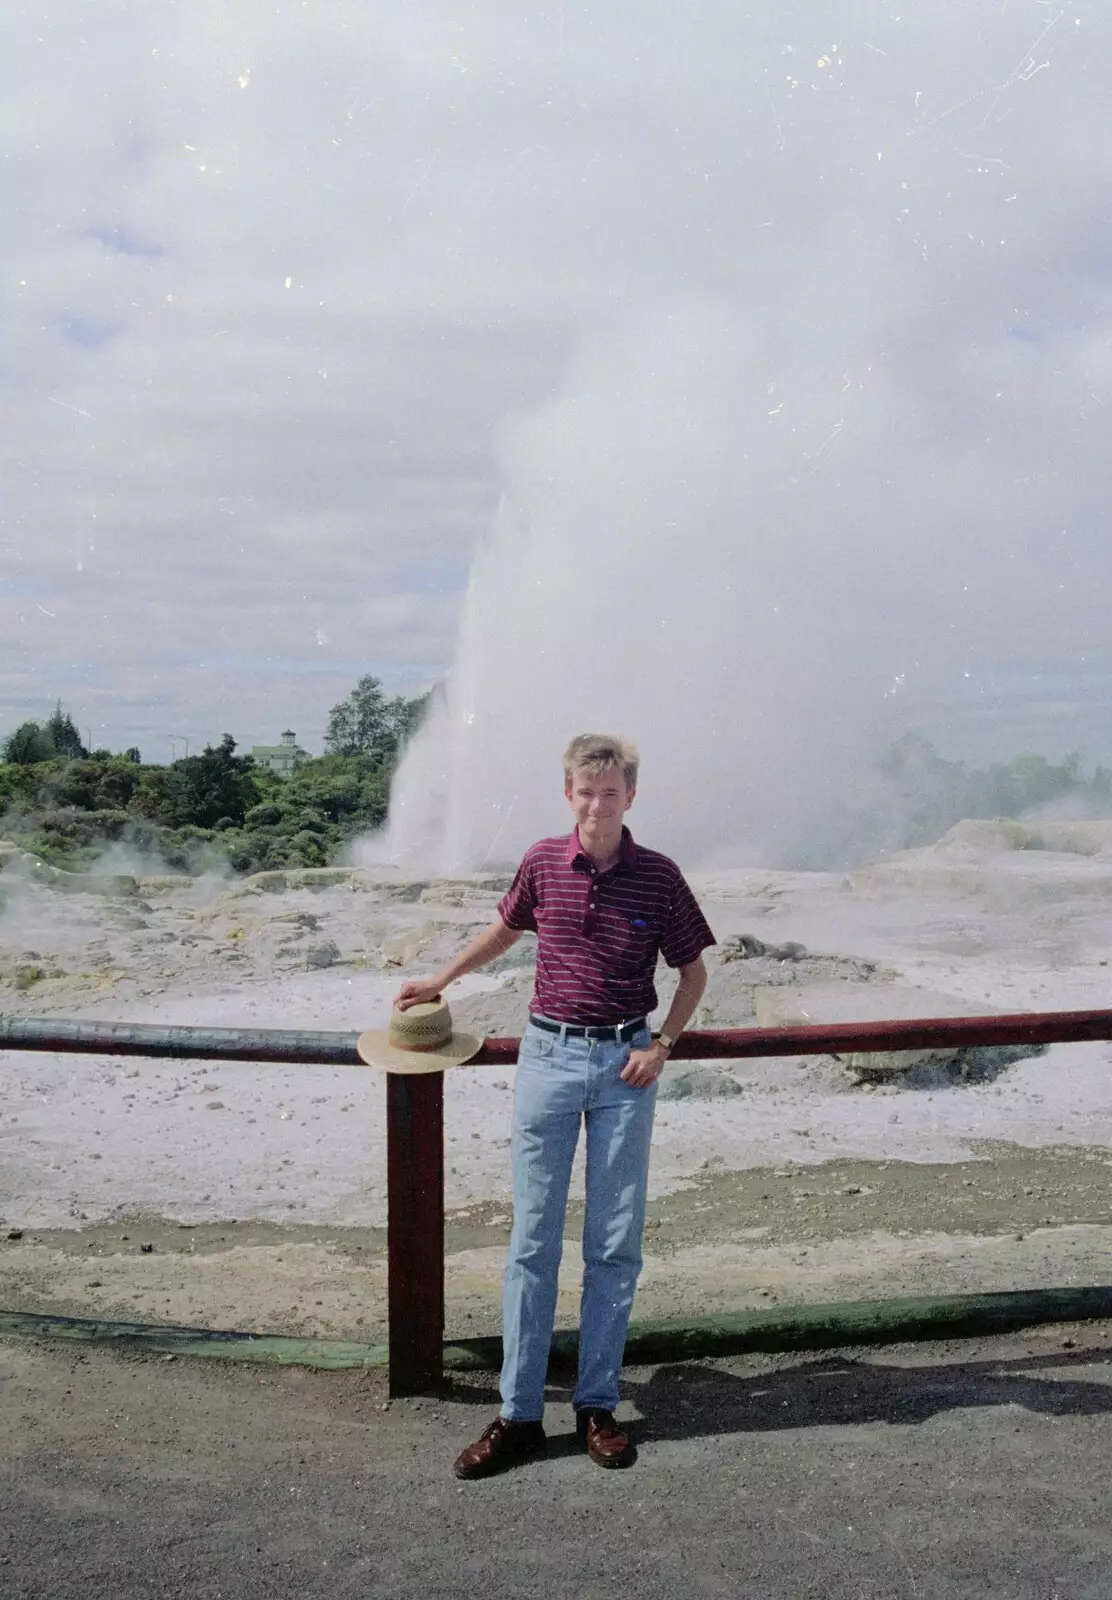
92 785
266 815
306 850
312 822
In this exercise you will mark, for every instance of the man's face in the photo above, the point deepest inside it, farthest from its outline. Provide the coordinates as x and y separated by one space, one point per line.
599 804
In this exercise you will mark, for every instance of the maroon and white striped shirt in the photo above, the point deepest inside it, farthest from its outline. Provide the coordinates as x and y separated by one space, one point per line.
599 934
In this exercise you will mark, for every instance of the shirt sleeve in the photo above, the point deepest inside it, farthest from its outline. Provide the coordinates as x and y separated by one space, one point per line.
517 905
687 933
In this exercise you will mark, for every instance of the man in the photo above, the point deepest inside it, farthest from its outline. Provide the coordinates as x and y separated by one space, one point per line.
602 908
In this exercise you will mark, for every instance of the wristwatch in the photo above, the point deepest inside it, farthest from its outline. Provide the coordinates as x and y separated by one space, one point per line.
666 1040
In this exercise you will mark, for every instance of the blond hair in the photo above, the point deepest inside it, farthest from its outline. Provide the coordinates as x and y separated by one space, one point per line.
595 753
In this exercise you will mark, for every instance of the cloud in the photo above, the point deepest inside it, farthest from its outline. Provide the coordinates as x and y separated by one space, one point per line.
85 331
119 239
329 263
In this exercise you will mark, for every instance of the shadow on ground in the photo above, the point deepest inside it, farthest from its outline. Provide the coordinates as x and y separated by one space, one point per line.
688 1400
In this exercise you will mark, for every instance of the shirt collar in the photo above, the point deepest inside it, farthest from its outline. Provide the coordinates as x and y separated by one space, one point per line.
627 858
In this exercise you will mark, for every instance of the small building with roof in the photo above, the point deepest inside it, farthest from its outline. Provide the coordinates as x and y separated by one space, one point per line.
284 758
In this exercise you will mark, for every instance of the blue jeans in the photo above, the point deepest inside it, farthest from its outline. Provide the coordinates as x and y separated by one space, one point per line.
559 1083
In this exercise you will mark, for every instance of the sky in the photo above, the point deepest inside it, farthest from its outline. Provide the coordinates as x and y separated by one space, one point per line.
306 306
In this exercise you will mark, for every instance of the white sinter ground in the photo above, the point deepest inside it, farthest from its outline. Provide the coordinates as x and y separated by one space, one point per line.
88 1140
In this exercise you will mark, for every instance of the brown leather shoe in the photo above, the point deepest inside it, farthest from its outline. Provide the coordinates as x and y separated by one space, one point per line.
607 1442
501 1445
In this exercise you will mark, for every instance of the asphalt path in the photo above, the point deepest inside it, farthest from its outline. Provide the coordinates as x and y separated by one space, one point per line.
962 1471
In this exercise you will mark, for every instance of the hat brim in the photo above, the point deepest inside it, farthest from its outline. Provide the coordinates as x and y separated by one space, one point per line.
375 1049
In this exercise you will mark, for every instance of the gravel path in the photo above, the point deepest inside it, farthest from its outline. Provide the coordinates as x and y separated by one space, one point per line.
925 1472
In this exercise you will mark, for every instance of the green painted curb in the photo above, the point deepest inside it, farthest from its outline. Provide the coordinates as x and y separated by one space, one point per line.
819 1327
216 1343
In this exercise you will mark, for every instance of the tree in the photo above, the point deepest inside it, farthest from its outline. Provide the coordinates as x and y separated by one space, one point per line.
359 724
1037 781
43 741
369 724
931 794
411 714
63 735
199 790
29 744
103 782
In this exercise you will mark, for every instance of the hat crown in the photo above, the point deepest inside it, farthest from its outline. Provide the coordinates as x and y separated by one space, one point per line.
425 1026
420 1039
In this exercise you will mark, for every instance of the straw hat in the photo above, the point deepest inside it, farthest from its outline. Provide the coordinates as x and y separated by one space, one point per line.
419 1039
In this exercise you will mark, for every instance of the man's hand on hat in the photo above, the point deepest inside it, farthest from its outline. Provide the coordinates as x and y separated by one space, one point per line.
644 1066
419 991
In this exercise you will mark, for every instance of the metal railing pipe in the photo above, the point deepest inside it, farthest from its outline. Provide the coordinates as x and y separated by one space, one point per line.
307 1047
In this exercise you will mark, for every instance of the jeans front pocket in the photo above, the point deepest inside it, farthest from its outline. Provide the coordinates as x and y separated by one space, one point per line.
536 1045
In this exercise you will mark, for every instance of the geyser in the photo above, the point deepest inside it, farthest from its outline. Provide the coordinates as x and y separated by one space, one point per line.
788 489
624 587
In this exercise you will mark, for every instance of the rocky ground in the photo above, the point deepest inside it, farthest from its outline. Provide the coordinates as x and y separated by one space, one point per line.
250 1196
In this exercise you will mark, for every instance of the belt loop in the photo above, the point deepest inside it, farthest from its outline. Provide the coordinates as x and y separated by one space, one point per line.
563 1033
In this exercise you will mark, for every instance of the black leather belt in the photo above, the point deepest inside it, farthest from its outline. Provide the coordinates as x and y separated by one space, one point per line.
620 1032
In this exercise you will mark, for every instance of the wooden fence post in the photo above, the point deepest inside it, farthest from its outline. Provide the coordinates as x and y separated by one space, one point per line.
415 1230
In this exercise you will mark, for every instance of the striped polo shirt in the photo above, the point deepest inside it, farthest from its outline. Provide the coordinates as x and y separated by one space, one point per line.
599 934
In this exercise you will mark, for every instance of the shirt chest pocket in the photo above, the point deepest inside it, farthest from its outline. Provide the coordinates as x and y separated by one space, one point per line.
637 943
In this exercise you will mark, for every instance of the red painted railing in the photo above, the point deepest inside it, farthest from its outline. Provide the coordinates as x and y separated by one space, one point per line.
415 1117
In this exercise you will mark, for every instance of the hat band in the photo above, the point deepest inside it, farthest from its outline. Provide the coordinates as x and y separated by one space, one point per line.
419 1047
